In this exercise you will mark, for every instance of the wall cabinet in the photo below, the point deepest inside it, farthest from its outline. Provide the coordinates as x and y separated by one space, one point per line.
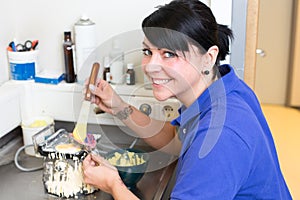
10 115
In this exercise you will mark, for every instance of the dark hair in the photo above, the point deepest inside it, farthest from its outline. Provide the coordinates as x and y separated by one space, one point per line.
181 22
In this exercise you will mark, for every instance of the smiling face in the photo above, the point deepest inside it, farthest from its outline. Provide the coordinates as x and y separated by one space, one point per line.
175 74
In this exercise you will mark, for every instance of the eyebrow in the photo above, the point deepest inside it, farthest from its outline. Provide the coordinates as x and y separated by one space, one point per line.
145 44
149 46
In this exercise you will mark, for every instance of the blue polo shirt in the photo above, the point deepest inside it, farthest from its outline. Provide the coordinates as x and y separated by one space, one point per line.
227 147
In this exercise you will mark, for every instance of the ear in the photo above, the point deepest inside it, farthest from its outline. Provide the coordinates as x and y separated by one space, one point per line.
211 55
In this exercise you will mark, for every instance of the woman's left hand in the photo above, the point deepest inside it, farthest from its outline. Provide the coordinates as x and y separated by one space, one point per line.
99 172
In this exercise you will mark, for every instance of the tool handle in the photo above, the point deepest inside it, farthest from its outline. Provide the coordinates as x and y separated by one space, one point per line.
34 44
92 80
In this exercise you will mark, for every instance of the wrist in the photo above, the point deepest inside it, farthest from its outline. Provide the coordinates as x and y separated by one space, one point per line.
117 185
124 113
120 191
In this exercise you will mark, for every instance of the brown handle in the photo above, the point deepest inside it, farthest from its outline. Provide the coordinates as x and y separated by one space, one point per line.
92 80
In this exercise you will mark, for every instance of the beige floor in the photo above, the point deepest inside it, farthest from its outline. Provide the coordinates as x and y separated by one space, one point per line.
285 126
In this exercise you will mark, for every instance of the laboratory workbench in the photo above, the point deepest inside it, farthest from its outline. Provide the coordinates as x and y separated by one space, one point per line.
16 184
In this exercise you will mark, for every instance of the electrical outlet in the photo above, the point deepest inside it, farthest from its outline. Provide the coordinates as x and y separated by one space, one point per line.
169 112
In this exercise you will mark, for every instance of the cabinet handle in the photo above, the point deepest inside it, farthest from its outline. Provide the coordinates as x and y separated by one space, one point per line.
260 52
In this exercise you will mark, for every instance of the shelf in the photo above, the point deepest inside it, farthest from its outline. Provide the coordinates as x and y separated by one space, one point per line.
128 90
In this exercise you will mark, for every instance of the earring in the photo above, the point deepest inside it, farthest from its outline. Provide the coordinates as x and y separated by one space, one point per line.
205 72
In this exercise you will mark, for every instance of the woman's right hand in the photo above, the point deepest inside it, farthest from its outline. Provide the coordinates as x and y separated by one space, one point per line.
106 98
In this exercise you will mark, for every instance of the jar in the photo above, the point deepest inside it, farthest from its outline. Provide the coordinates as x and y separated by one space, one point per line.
62 173
130 74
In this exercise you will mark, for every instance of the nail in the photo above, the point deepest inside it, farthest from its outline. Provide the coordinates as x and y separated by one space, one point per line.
92 87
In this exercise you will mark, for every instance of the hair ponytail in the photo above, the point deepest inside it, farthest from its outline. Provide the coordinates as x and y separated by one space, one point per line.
225 35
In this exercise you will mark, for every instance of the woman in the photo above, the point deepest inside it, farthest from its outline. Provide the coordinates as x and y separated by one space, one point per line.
225 146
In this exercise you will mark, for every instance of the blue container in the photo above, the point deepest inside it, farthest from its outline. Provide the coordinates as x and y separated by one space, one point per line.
23 65
25 71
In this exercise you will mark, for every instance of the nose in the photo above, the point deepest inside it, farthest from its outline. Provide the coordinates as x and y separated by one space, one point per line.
152 64
150 68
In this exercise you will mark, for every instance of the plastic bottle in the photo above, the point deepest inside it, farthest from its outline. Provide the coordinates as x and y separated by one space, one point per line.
85 43
70 76
117 63
106 71
130 74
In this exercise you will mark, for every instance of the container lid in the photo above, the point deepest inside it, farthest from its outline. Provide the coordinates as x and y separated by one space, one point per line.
84 21
67 32
130 66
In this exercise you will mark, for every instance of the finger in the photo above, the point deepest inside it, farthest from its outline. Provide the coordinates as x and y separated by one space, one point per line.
96 93
84 90
104 108
92 88
93 99
104 162
102 85
98 81
86 81
87 158
86 162
87 174
98 159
